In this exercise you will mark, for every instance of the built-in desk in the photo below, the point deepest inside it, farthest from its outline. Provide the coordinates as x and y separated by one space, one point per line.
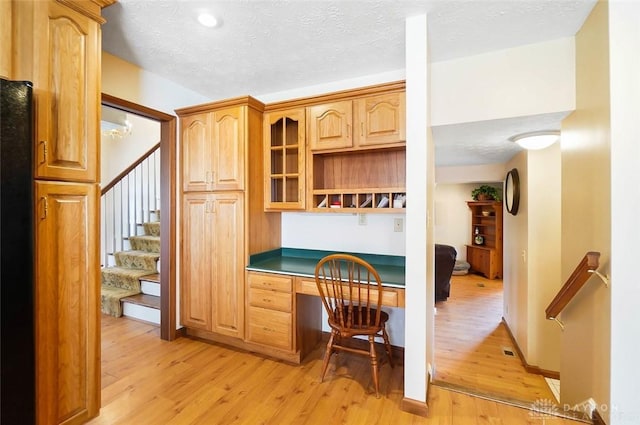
284 312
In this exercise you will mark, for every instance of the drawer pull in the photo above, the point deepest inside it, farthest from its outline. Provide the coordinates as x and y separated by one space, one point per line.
268 329
267 300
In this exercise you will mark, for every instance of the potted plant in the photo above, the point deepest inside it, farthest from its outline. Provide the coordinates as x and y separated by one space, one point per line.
485 193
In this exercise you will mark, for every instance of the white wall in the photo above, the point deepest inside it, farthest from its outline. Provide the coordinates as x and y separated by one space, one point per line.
624 37
470 174
118 153
127 81
453 217
586 218
525 80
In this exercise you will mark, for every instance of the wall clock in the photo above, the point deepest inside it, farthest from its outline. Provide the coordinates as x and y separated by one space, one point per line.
512 191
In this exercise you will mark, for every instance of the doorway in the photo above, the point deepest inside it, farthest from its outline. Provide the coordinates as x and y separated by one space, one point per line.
167 206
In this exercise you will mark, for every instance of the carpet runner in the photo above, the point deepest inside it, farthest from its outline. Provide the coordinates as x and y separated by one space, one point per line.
123 279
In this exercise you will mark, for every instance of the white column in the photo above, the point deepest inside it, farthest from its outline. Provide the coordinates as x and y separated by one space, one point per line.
419 243
624 44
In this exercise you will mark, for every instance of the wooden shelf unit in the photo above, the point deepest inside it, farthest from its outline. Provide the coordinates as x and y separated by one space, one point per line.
358 181
486 258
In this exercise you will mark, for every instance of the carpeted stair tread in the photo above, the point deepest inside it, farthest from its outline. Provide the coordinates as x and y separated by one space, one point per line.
110 299
152 228
145 243
138 260
122 277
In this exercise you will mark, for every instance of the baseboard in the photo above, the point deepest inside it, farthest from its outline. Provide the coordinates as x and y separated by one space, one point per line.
414 407
529 368
181 332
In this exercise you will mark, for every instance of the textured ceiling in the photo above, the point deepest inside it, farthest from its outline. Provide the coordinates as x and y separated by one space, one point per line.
267 46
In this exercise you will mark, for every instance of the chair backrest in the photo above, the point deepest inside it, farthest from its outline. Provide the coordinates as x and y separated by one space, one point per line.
351 292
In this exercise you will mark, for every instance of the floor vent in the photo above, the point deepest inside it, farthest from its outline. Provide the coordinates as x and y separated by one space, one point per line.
508 352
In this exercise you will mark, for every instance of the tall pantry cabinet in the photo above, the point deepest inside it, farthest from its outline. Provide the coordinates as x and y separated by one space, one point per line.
57 46
222 215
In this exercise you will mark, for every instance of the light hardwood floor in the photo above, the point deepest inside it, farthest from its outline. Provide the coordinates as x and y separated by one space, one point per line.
470 338
149 381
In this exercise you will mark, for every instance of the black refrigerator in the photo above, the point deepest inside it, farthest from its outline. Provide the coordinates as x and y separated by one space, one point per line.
17 352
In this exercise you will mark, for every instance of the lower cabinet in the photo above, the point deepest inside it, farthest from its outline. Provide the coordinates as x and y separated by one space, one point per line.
281 323
67 296
212 267
270 306
483 260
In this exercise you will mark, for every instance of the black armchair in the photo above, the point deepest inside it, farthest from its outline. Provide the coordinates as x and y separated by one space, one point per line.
445 261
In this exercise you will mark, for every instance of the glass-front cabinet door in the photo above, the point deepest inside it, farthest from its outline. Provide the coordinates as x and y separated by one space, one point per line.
284 152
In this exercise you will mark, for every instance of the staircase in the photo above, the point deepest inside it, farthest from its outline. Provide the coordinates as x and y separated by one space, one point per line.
131 287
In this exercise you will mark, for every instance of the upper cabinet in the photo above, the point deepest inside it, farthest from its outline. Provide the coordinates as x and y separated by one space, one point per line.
213 150
354 156
66 76
284 160
380 119
330 125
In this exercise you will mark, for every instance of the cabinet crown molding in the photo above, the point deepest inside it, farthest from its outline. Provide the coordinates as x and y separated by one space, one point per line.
337 96
236 101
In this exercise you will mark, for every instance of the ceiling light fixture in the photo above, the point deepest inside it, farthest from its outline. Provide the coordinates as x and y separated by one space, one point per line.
535 140
207 19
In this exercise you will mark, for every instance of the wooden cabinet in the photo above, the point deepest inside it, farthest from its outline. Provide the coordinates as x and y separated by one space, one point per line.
66 78
67 282
355 152
329 125
284 160
57 45
213 155
223 217
484 253
380 120
269 310
212 265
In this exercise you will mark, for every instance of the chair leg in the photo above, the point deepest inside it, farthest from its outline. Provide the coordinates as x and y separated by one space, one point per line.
387 345
327 355
374 364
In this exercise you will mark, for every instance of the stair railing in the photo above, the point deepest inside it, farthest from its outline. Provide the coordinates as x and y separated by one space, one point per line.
129 200
588 266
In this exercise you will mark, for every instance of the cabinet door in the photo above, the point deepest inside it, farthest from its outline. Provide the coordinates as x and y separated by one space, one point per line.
197 156
228 149
66 81
330 126
380 120
228 265
67 307
197 252
284 160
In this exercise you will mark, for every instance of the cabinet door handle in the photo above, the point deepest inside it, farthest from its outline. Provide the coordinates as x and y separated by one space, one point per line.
348 131
45 151
207 178
45 207
362 128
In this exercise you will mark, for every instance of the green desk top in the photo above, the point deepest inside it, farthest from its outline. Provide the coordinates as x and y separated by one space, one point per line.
302 262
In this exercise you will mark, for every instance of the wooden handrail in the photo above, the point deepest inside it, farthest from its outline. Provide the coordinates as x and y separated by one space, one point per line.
578 278
130 168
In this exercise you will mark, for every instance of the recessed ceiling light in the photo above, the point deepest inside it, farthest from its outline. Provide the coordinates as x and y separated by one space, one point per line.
208 20
536 139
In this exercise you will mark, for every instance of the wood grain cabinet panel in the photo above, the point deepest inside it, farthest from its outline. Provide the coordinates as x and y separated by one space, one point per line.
329 125
213 150
212 266
66 80
270 327
380 120
67 283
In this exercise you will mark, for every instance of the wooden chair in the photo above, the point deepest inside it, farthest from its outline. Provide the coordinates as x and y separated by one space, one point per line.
351 293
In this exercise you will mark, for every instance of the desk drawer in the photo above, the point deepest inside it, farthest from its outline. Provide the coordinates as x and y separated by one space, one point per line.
273 282
270 327
270 299
389 297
